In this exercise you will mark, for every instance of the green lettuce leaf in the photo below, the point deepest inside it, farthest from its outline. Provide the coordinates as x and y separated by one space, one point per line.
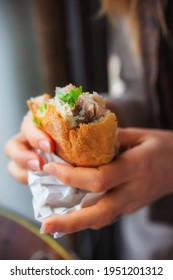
37 121
43 107
70 97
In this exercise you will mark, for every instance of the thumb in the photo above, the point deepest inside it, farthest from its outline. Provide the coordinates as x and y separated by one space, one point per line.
129 137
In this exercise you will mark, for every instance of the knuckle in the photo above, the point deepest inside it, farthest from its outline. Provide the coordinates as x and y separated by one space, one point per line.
100 225
73 227
131 208
30 134
21 177
10 168
99 185
23 180
139 191
6 148
32 140
110 216
71 175
105 219
96 227
68 177
8 145
117 211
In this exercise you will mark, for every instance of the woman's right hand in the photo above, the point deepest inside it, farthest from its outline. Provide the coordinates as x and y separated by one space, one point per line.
20 149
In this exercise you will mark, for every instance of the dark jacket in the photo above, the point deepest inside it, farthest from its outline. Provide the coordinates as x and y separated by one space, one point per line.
157 51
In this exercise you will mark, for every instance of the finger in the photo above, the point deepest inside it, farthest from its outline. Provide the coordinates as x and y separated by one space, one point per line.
95 217
35 136
130 137
105 177
21 175
98 179
19 151
135 205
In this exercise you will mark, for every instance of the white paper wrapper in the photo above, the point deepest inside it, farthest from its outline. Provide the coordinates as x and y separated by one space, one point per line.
51 196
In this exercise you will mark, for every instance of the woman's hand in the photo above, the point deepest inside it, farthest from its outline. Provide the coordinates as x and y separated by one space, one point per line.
139 176
20 149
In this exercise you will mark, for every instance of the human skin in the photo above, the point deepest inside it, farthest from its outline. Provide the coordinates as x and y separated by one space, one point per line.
140 175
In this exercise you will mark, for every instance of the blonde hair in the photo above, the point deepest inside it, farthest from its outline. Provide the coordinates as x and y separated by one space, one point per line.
118 6
129 9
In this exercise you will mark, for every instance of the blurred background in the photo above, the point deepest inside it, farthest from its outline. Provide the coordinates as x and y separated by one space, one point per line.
46 44
19 78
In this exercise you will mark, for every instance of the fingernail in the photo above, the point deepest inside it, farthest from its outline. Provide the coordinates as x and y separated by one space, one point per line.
45 146
48 229
33 164
50 168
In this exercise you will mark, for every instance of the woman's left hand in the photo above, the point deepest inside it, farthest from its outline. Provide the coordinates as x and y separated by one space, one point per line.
139 176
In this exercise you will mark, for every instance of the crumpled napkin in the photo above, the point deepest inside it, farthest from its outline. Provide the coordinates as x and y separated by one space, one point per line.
51 196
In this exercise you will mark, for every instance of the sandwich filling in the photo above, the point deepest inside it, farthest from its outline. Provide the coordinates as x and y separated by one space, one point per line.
75 106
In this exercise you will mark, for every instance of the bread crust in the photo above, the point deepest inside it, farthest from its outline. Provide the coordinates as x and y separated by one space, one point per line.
88 145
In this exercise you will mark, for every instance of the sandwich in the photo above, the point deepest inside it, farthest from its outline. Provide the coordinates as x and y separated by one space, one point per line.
84 130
